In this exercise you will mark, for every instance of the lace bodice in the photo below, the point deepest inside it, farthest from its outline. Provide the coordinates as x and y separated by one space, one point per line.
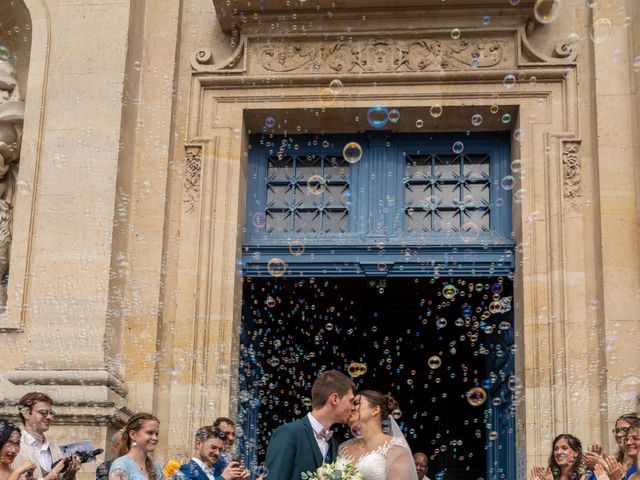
376 464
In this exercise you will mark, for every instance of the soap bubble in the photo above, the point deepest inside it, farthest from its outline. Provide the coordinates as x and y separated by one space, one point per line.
476 120
506 118
494 108
23 186
276 267
457 147
270 302
270 122
259 220
601 30
419 123
434 362
455 33
476 396
394 115
449 291
352 152
316 184
327 96
493 435
636 64
436 111
629 388
441 322
486 19
378 115
336 86
356 369
546 11
397 413
4 52
296 248
469 232
261 471
386 427
509 81
357 429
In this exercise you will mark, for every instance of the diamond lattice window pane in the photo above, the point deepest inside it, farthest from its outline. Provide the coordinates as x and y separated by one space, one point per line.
479 192
446 221
278 221
279 195
418 167
336 169
476 167
447 167
417 196
479 217
335 221
280 169
417 221
308 166
336 195
308 221
448 194
305 198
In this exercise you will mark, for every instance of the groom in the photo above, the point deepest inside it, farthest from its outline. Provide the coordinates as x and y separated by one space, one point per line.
304 445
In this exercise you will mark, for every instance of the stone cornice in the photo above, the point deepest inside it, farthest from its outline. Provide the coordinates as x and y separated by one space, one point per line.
249 14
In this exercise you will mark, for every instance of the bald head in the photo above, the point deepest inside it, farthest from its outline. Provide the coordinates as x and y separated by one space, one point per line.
422 464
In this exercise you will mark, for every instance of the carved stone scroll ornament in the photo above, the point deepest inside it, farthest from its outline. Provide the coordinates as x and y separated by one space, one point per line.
192 175
382 55
203 61
571 176
11 121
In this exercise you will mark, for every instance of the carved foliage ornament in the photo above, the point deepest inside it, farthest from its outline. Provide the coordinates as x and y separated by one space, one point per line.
382 55
571 173
192 175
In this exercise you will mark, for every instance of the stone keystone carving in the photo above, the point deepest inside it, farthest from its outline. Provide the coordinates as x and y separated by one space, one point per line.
571 173
11 120
382 55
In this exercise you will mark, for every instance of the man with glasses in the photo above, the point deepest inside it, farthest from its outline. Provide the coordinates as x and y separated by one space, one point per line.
36 413
209 444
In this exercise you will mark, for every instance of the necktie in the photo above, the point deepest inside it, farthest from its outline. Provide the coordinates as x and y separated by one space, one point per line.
324 434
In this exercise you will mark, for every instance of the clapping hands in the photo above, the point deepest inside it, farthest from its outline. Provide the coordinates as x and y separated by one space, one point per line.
539 473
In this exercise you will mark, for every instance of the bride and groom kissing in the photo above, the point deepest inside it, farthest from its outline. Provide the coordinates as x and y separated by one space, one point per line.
378 449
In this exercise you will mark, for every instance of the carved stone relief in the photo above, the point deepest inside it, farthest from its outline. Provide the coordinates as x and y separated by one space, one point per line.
571 176
192 175
11 121
381 55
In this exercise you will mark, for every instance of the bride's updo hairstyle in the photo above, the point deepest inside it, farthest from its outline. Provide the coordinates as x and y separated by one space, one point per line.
386 403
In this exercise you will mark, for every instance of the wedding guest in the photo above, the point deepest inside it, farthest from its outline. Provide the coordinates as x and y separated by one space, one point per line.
102 472
36 413
422 465
224 467
566 461
595 455
9 449
209 444
138 441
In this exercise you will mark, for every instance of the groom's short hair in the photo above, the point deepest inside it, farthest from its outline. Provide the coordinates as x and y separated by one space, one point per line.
328 383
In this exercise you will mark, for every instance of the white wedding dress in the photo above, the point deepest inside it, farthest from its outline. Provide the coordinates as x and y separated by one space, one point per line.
390 461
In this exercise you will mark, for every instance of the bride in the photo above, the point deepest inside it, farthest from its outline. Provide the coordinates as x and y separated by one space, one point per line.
379 450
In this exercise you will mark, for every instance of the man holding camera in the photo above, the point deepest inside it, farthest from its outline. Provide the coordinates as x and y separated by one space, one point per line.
36 413
209 445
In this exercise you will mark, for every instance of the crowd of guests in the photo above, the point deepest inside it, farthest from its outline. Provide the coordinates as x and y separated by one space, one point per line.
568 461
27 452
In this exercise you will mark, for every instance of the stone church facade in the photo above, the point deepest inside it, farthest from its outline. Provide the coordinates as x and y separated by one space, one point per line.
125 127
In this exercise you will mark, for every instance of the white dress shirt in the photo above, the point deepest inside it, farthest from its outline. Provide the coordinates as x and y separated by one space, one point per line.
43 453
323 445
203 466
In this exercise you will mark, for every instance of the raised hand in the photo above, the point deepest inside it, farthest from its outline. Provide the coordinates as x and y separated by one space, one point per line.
601 474
613 467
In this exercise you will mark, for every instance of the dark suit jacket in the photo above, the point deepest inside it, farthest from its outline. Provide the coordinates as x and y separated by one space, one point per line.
192 471
293 450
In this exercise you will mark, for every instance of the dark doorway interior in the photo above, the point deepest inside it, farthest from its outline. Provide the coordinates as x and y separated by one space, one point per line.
426 341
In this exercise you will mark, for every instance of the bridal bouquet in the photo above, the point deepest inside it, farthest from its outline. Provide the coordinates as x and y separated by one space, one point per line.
338 470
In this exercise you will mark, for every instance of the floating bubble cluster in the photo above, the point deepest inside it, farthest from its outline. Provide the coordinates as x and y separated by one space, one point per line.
442 347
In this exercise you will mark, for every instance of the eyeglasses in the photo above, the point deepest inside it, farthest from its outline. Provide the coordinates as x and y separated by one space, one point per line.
44 412
635 438
619 432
